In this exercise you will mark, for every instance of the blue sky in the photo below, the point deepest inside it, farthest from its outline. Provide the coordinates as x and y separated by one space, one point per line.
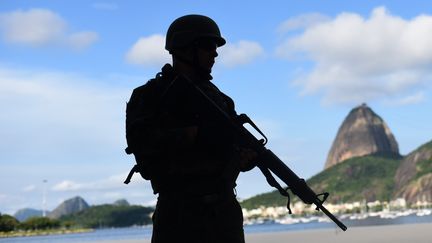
295 67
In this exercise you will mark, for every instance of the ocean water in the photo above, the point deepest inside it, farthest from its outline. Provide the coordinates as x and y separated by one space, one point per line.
137 233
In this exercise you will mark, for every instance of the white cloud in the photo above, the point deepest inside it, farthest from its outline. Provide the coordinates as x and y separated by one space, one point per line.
67 186
83 39
243 52
41 27
149 51
34 27
411 99
361 59
110 183
302 21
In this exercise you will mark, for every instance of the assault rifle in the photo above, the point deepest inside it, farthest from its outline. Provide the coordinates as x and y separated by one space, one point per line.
268 162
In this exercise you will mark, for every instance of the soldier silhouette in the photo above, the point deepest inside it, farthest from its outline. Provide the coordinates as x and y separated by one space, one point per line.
191 161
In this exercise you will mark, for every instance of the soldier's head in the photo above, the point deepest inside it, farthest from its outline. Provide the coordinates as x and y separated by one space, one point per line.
192 40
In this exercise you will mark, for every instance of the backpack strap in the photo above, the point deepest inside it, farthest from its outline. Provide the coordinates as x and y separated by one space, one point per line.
131 173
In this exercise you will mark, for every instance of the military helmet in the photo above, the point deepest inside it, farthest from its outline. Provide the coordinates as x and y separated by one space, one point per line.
189 28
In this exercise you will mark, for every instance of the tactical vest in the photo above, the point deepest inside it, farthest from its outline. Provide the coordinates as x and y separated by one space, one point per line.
144 112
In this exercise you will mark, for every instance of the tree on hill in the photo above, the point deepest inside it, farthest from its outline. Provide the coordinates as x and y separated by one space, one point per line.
367 178
8 223
40 223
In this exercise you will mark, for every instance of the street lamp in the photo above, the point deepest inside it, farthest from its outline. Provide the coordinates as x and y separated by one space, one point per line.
44 198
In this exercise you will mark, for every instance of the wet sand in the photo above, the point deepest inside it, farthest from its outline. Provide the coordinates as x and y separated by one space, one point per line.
408 233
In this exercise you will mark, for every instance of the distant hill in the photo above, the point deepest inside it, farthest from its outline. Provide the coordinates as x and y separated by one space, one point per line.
26 213
103 216
76 211
69 206
121 202
367 177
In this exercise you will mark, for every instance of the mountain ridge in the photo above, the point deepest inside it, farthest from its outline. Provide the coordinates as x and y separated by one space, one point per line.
413 178
67 207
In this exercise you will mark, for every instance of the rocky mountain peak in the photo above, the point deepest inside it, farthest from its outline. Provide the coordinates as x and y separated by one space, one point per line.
69 206
362 132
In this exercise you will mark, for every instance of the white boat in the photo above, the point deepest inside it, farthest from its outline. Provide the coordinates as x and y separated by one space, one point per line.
423 212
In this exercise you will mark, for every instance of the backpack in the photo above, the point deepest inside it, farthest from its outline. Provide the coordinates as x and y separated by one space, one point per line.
145 95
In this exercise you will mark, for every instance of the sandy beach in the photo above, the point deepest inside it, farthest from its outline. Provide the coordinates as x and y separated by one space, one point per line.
408 233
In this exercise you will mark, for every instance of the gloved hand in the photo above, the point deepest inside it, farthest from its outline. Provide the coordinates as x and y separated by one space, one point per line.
245 158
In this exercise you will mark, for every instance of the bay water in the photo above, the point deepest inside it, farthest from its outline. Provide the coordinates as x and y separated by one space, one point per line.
137 233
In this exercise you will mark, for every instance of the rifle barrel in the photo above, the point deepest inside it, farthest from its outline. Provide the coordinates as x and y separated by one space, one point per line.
291 179
331 216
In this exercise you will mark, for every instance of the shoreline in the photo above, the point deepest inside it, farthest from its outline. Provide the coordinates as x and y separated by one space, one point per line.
14 234
404 233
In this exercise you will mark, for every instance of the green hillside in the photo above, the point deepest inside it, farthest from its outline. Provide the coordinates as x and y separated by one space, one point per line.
270 199
110 216
368 177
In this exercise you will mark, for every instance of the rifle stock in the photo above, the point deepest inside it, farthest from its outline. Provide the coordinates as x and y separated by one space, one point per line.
267 159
